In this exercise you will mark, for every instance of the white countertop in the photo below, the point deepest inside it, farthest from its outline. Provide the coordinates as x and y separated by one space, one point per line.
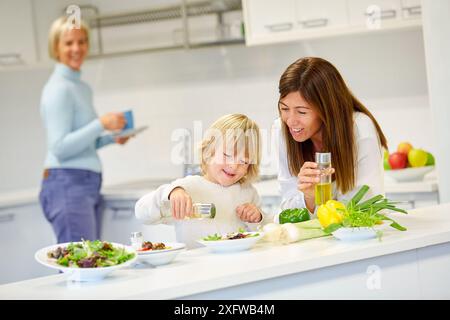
133 190
198 271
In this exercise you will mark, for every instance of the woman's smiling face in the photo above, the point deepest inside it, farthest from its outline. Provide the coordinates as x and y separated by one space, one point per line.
301 118
73 48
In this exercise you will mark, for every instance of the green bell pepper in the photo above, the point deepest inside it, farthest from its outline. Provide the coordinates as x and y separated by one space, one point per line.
294 215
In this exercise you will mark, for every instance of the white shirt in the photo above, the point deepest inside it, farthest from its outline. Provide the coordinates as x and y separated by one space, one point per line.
153 208
369 168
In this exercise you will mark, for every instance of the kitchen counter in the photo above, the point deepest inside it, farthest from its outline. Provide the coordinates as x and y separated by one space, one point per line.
407 265
268 188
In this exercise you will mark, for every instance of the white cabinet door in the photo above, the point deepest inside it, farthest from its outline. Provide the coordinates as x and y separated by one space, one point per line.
321 14
119 222
412 9
23 231
373 13
16 33
270 16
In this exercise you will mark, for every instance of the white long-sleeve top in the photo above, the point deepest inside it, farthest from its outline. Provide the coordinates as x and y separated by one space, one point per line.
369 168
153 208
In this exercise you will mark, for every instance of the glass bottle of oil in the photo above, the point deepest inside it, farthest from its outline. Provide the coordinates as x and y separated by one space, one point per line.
199 210
323 191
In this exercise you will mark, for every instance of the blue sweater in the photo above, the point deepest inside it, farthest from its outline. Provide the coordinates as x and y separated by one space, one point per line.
73 128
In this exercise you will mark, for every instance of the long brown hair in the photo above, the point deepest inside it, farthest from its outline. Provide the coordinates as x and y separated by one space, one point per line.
322 86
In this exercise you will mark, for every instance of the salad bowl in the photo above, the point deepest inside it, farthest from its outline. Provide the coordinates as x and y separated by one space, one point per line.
85 274
161 257
221 244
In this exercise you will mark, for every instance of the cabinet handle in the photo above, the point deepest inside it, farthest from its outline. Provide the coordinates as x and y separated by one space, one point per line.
384 14
122 213
314 23
9 59
413 11
279 26
5 218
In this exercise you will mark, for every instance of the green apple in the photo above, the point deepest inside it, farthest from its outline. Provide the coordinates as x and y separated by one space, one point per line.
430 159
385 154
417 157
386 164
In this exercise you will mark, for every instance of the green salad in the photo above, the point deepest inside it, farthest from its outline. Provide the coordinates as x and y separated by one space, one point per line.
241 234
90 254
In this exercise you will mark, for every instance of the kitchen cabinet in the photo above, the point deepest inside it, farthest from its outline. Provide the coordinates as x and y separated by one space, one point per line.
23 230
16 33
412 9
373 14
321 14
270 16
274 21
119 221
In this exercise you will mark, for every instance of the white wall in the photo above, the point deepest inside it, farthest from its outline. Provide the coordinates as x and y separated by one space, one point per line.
437 48
170 90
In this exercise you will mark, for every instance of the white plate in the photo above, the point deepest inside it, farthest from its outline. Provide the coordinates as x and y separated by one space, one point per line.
232 245
355 234
82 274
409 174
129 132
161 257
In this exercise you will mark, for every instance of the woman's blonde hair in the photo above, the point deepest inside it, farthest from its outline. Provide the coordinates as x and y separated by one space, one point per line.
322 86
238 132
59 26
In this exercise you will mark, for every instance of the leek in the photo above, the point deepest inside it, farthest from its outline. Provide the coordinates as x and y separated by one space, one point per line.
293 232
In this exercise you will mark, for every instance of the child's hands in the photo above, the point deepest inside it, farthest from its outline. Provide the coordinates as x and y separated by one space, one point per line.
180 203
249 213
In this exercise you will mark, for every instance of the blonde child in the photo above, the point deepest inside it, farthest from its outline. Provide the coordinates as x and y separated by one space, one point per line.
230 158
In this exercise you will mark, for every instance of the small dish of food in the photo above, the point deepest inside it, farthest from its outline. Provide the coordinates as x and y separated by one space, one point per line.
158 253
235 241
86 260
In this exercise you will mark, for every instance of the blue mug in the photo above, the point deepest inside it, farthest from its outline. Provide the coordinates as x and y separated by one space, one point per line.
129 119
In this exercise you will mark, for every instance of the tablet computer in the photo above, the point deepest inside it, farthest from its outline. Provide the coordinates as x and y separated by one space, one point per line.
129 132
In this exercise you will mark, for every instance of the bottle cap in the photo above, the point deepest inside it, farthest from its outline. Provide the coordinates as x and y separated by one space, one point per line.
323 157
135 235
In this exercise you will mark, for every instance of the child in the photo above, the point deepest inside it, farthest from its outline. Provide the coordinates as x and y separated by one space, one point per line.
230 157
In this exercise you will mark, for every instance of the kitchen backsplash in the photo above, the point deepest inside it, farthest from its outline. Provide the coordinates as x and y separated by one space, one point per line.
171 90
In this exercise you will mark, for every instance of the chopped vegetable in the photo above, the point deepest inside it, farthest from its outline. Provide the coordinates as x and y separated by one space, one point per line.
241 234
294 215
293 232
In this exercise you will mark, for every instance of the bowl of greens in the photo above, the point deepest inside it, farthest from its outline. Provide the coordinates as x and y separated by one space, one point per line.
358 220
230 242
86 260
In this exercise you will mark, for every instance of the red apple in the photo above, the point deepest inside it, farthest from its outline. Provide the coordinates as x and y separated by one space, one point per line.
398 160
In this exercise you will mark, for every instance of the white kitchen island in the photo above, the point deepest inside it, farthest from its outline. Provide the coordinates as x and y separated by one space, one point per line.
413 264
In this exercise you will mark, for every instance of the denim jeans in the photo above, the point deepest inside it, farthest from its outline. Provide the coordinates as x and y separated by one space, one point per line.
72 203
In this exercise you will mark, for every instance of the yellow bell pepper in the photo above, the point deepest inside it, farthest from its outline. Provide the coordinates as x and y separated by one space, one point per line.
328 213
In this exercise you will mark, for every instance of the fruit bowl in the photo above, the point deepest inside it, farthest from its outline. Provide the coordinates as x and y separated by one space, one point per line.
409 174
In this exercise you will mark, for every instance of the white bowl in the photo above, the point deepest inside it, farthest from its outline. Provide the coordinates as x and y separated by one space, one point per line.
82 274
161 257
355 234
232 245
409 174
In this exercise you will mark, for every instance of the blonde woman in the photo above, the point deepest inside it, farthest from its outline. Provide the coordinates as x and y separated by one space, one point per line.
318 113
70 193
230 158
